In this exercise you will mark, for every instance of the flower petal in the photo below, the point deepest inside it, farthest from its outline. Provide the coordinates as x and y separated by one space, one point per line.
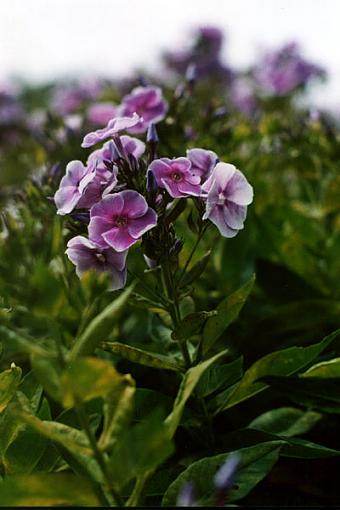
138 226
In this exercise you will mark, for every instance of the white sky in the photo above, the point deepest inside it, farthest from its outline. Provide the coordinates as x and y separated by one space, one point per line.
43 39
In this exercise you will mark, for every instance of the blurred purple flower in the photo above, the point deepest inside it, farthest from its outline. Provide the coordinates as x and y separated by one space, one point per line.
242 95
176 176
202 162
186 495
114 126
100 114
228 194
70 97
120 220
72 186
283 70
11 111
149 103
204 54
85 255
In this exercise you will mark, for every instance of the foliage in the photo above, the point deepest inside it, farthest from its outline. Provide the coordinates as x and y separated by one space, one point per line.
231 347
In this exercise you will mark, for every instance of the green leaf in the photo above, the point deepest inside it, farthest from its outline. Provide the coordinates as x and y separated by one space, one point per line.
88 378
327 369
9 381
255 463
118 409
101 326
149 359
48 372
73 439
219 377
196 270
291 446
285 362
140 450
188 384
318 393
227 311
191 325
47 490
286 421
27 447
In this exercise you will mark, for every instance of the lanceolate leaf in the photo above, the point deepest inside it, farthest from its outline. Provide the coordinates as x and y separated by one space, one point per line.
101 326
227 312
285 362
189 382
9 381
57 489
286 421
191 325
149 359
255 463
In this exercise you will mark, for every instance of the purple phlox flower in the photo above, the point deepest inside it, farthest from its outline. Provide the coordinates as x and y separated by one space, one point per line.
101 113
176 176
113 127
72 186
283 70
228 195
68 98
203 162
148 102
225 475
85 255
120 220
186 495
101 185
242 95
203 53
108 152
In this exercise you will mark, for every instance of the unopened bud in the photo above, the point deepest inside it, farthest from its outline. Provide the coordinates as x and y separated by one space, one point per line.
152 135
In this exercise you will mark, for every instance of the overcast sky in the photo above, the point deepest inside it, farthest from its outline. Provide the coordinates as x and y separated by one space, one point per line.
43 39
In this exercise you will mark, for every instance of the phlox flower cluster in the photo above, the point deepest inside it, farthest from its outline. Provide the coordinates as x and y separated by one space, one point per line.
122 187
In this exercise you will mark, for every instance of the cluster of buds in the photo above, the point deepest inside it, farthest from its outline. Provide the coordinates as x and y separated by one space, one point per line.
123 196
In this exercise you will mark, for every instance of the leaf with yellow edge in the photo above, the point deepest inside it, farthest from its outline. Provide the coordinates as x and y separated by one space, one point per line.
9 381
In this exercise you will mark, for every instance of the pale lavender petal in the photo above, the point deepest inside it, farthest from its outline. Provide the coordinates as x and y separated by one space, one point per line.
97 227
118 279
189 189
222 173
133 146
203 161
119 239
171 187
235 215
217 217
161 168
139 226
111 205
135 204
239 190
113 127
75 171
66 199
116 259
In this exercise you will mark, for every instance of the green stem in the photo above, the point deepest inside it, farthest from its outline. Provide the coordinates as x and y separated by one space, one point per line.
97 453
194 248
174 308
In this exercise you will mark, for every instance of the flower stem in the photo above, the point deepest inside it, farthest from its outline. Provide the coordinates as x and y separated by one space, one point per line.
83 419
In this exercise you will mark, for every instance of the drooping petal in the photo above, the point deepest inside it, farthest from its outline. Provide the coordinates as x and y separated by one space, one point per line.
217 217
116 259
234 215
133 146
189 189
97 227
239 190
119 239
113 127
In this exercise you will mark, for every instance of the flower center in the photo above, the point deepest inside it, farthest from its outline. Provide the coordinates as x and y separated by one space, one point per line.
176 176
101 258
221 199
120 221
